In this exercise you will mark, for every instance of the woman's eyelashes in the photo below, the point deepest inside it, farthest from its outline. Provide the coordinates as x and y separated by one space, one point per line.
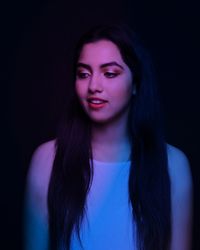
111 74
107 74
82 75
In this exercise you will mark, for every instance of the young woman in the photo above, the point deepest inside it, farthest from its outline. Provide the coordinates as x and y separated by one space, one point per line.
109 180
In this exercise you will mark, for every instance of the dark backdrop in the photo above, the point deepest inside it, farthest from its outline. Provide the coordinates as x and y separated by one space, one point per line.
37 39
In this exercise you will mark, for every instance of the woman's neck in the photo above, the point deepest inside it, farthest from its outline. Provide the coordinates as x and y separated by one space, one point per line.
110 141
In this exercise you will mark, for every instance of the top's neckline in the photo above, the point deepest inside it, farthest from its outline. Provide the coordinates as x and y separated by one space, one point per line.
112 163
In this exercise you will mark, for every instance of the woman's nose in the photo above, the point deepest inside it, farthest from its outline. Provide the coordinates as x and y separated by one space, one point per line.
95 84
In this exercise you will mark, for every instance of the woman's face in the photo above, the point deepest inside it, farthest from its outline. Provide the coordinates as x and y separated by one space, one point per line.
103 81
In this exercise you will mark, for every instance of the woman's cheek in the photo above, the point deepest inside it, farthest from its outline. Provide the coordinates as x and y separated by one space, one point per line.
79 90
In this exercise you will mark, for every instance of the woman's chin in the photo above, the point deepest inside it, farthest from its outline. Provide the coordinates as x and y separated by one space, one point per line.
99 120
103 120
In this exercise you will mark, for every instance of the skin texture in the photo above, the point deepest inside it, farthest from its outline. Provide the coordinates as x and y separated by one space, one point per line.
110 143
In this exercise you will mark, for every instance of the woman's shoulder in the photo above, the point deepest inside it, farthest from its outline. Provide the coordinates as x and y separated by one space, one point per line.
181 198
176 157
44 155
35 199
46 149
179 171
40 169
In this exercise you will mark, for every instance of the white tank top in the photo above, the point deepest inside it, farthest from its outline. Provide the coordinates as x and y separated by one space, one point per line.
108 224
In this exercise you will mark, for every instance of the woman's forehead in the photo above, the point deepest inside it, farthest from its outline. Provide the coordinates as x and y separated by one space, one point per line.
99 52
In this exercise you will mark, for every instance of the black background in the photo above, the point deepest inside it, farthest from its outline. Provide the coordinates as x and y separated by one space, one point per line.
37 39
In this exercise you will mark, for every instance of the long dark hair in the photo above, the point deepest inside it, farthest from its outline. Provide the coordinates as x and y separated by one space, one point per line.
72 173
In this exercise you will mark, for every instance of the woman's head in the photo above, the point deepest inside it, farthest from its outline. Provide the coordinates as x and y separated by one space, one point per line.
118 43
104 83
107 66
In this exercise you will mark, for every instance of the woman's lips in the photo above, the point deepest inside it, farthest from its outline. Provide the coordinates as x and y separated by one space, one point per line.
96 102
96 105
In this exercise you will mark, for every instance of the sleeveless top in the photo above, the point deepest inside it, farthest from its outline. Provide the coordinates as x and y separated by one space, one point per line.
108 223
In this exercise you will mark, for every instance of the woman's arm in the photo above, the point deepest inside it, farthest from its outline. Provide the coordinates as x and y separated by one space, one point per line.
181 199
35 207
35 226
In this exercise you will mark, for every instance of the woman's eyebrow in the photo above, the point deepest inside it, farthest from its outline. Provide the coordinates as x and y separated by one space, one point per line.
111 64
86 66
83 65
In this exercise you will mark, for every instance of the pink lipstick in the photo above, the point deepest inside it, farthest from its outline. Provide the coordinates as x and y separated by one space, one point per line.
96 102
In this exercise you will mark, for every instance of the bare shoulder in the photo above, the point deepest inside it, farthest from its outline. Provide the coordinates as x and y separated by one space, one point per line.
179 169
42 161
39 172
35 200
44 152
181 198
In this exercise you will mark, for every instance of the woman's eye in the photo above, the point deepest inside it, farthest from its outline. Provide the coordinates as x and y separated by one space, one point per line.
111 74
82 75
